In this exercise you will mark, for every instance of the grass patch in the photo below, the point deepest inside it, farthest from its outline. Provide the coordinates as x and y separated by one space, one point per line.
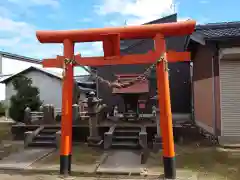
82 155
5 132
8 149
203 160
6 145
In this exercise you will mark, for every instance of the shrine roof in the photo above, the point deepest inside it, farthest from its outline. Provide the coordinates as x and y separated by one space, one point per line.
137 88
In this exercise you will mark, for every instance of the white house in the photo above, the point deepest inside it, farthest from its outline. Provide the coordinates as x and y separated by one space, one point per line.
48 82
11 64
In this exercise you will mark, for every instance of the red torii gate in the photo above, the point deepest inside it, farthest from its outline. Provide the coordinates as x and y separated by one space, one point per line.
111 45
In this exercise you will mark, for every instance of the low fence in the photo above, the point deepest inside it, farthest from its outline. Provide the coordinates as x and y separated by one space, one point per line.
48 114
36 116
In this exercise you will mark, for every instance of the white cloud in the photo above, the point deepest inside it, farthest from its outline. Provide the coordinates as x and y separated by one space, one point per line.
29 3
97 47
136 11
15 27
20 37
89 49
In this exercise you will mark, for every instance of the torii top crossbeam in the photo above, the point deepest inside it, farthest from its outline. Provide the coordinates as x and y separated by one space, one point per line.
128 32
111 43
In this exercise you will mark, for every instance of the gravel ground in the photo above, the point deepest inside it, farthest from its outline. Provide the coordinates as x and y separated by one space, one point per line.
57 177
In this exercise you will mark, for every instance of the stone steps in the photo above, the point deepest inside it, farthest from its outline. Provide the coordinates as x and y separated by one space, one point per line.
38 143
125 138
126 131
125 145
48 131
45 138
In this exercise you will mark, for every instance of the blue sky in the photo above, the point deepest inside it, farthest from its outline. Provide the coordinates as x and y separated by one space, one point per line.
19 19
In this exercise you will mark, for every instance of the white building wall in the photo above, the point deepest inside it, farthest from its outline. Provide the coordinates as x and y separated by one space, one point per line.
50 88
12 66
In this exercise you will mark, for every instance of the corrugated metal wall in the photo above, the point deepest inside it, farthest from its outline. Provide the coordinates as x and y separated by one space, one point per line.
230 97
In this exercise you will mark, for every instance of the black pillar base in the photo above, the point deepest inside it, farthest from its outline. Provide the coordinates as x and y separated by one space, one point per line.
169 167
64 165
69 163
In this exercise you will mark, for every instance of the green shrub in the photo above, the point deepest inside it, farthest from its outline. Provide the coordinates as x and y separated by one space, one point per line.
2 109
26 96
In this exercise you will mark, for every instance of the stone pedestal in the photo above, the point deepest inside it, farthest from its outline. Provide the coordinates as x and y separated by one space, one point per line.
143 139
58 138
41 118
158 123
108 136
48 114
75 117
93 103
28 137
157 143
27 116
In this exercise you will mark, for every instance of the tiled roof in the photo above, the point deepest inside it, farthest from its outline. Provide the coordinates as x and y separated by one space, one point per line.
86 89
49 72
85 79
219 30
19 57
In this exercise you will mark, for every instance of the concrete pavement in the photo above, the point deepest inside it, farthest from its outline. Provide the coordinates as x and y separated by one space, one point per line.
24 158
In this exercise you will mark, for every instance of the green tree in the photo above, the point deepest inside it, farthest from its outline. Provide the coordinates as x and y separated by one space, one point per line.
26 96
2 109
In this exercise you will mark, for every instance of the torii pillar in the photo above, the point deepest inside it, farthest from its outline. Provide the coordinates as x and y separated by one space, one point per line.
111 45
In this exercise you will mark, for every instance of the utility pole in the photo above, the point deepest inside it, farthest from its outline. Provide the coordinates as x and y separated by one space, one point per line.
173 7
125 23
